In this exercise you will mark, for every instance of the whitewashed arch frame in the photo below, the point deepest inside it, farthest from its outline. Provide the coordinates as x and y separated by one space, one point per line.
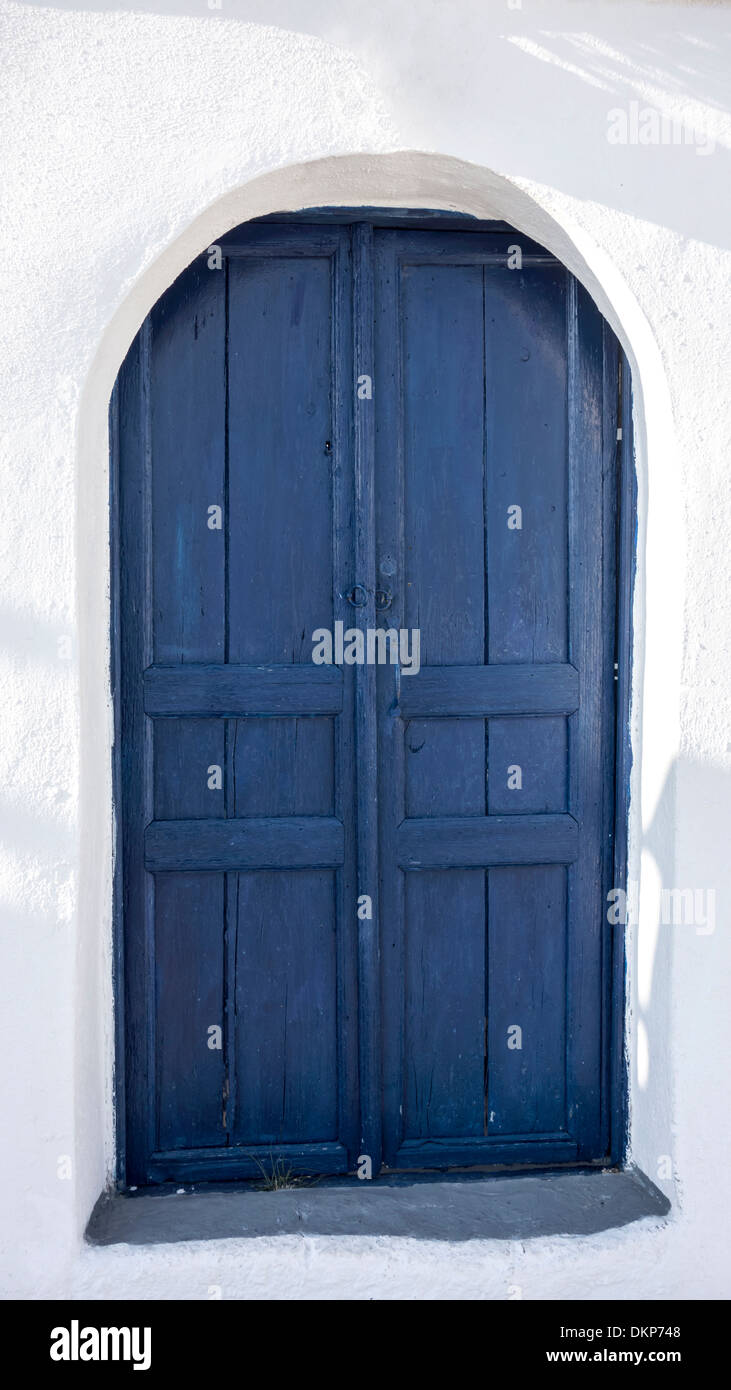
406 179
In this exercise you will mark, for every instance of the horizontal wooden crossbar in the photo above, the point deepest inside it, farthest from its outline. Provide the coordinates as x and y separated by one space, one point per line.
245 1161
218 691
479 1151
475 691
276 842
465 842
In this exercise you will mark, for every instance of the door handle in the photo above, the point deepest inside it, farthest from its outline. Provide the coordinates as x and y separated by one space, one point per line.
358 596
384 599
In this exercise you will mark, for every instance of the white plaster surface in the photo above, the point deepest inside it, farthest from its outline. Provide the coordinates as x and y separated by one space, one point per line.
133 137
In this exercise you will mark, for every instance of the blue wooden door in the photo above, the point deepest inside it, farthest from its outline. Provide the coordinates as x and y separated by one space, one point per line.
379 427
495 466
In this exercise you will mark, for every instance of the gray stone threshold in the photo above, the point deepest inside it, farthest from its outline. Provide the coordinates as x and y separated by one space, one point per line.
518 1206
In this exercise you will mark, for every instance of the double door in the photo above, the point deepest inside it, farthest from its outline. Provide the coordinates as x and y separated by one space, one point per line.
363 902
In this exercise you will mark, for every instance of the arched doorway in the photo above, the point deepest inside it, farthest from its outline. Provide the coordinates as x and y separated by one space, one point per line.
365 884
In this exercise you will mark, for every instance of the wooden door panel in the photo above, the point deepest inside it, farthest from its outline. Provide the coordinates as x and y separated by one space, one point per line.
286 1032
183 401
526 952
444 1004
185 750
236 490
491 463
282 767
280 426
527 761
526 393
189 981
443 579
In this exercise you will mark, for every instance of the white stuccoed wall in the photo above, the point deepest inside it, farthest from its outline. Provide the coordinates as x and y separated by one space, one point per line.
133 138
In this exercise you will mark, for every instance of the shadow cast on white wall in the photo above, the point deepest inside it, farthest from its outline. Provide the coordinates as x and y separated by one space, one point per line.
568 55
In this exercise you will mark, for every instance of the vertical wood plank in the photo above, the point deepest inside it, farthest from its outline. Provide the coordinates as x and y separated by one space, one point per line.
282 767
187 603
444 1004
189 998
285 1000
443 404
118 885
390 562
184 751
526 411
280 456
443 344
442 373
444 767
365 704
136 809
188 473
626 560
526 1091
346 879
611 447
291 509
538 747
588 750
